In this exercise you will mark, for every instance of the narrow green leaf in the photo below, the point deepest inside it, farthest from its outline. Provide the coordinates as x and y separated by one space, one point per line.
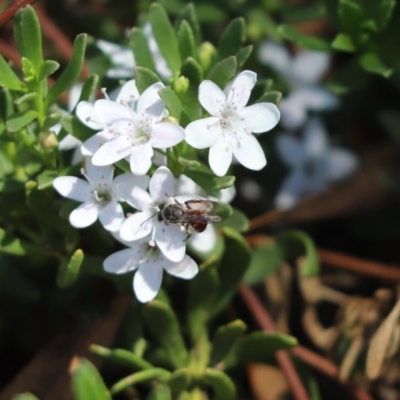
187 45
46 178
121 357
308 42
165 37
204 177
223 72
7 166
47 68
19 120
243 54
71 72
10 244
350 15
163 326
191 69
87 383
344 42
160 392
8 78
225 338
28 36
222 386
154 374
237 220
295 243
69 270
140 47
384 10
26 98
25 396
271 97
372 63
73 125
233 265
179 381
189 14
232 38
172 102
264 260
89 88
145 78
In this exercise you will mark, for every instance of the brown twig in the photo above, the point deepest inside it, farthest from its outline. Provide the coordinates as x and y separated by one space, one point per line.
282 357
7 15
358 265
265 321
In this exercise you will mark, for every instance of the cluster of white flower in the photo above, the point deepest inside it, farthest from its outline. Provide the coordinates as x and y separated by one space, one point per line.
130 128
314 165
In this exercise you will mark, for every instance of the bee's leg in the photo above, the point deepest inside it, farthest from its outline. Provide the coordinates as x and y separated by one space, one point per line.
188 229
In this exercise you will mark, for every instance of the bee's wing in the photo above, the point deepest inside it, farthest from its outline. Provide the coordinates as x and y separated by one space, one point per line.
212 218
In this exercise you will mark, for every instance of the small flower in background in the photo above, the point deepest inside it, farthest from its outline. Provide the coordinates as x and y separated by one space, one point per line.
205 241
129 128
169 238
229 129
150 264
98 194
314 164
302 71
123 59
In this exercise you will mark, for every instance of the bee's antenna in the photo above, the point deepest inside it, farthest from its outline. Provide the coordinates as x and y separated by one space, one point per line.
149 218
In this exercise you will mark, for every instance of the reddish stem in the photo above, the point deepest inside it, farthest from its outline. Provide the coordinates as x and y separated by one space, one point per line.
7 15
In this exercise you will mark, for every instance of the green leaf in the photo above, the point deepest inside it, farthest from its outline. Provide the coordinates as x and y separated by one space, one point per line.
73 125
87 383
140 47
237 221
383 11
71 72
47 68
243 54
19 120
46 178
25 396
232 38
344 42
222 386
157 374
372 63
179 381
6 164
164 327
188 14
165 37
271 97
26 98
69 270
28 36
161 392
145 78
172 102
225 338
259 347
121 357
264 260
10 244
233 265
296 243
205 178
89 88
350 15
52 120
8 78
223 72
191 69
308 42
187 45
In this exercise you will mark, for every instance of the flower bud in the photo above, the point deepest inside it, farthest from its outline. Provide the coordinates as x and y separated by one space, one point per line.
171 119
48 140
181 86
207 55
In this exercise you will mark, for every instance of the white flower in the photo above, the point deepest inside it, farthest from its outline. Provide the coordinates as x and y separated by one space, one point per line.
170 238
229 129
314 164
123 59
129 127
302 71
98 194
205 241
149 263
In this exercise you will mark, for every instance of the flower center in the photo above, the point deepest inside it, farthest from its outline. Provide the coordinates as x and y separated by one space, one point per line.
102 196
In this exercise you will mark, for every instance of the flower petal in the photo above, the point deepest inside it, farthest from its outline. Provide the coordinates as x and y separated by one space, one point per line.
166 134
240 90
84 215
73 188
249 152
205 241
260 117
170 240
275 55
69 142
185 269
140 159
203 133
315 138
162 184
341 163
147 281
128 92
90 146
212 98
317 98
310 66
136 226
130 180
135 196
122 261
293 111
293 188
112 216
99 177
292 151
112 112
87 114
112 151
220 156
74 94
150 101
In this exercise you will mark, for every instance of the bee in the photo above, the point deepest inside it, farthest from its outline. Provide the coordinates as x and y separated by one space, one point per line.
194 215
